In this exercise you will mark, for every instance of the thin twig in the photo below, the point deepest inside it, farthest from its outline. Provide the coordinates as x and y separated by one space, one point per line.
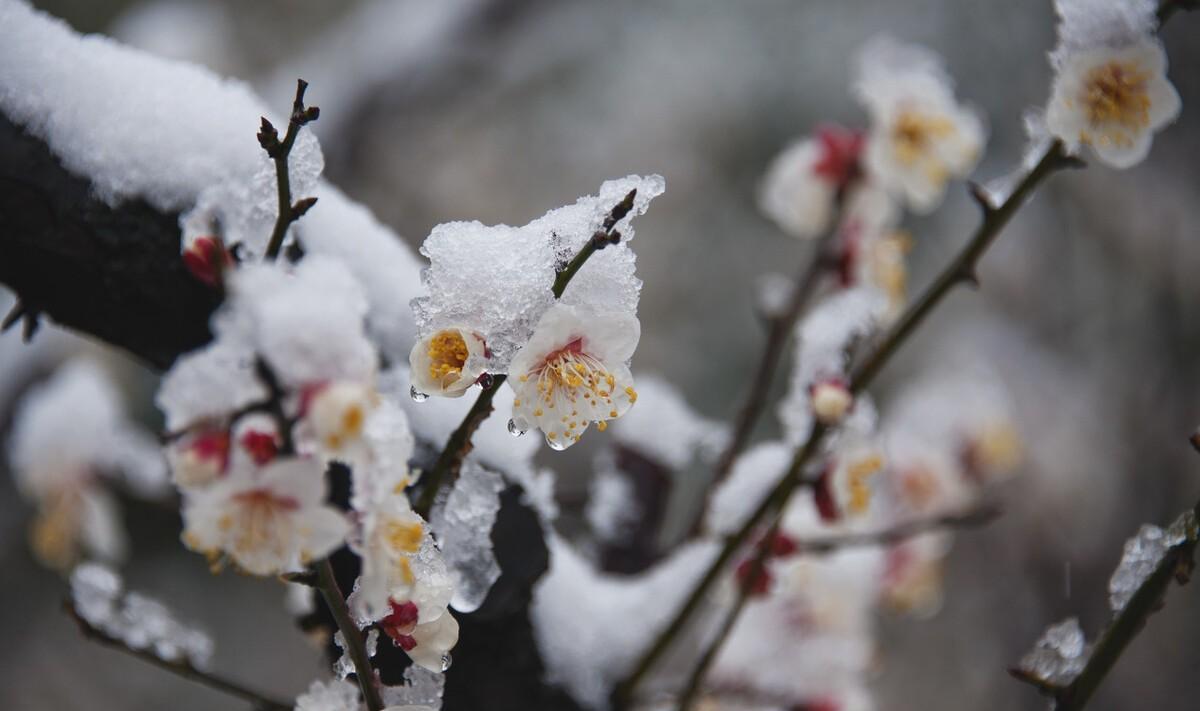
445 470
745 586
327 584
457 447
279 151
776 345
818 546
1176 565
181 668
960 270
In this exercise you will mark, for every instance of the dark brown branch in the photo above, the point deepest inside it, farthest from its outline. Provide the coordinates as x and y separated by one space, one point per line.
355 647
960 270
1175 565
181 668
112 272
445 470
279 151
764 375
820 546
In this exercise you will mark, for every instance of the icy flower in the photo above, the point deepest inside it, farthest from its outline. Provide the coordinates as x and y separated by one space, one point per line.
802 183
573 372
392 535
448 361
207 259
336 413
267 521
426 643
920 135
200 457
845 487
1113 100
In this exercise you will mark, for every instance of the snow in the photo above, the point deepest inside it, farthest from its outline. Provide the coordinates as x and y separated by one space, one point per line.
73 426
142 623
611 506
422 688
590 627
1059 656
463 526
497 280
1087 24
664 427
1141 557
754 473
183 138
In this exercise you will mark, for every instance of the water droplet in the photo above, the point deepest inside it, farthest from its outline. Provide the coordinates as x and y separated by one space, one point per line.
557 444
514 430
447 660
485 380
417 395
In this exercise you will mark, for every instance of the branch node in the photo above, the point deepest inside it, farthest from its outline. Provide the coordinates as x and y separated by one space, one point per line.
982 198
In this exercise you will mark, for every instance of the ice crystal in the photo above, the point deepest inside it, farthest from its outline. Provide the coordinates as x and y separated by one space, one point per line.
140 622
1143 554
464 530
1059 656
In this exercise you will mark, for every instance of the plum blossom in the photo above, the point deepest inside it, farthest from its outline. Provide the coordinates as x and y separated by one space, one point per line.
335 414
392 535
448 361
69 434
267 521
920 136
200 457
1112 100
206 258
800 189
573 372
429 643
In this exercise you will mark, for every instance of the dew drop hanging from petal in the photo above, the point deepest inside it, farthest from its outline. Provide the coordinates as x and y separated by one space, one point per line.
417 395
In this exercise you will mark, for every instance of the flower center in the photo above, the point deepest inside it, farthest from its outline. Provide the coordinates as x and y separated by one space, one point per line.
404 537
447 356
1115 93
570 373
914 131
259 510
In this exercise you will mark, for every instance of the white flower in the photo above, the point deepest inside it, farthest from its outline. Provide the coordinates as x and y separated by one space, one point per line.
392 536
448 362
68 435
336 414
803 182
199 458
267 521
920 137
427 643
1113 100
573 372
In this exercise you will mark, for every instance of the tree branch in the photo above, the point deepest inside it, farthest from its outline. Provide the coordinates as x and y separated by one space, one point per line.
960 270
355 647
112 272
279 151
777 340
820 546
182 668
1176 565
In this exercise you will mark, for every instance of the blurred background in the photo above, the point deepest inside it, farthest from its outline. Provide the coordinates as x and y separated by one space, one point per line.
499 110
